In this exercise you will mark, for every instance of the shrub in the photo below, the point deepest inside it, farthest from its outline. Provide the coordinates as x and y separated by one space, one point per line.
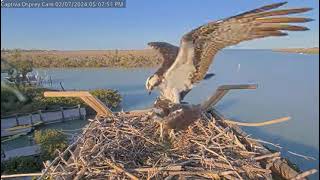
35 100
27 164
111 98
9 100
23 66
50 140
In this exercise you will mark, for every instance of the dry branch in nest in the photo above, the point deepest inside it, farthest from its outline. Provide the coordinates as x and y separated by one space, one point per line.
127 146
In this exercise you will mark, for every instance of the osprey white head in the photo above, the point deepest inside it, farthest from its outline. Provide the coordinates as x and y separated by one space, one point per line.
152 82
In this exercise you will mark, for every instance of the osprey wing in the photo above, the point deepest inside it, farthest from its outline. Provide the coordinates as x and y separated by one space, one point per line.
258 23
168 53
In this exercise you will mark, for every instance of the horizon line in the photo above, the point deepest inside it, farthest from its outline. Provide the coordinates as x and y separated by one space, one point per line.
34 49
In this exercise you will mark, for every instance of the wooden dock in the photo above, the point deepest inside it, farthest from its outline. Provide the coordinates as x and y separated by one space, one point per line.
22 131
24 151
17 124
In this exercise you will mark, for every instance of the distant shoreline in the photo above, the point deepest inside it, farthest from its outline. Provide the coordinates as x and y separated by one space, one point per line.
144 58
314 50
86 58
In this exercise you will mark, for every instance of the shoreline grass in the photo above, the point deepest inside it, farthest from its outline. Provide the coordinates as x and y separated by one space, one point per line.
87 59
314 50
122 59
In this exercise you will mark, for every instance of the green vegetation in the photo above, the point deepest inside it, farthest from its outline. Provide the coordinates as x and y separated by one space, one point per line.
27 164
10 101
72 59
111 98
10 104
50 140
4 66
22 68
17 69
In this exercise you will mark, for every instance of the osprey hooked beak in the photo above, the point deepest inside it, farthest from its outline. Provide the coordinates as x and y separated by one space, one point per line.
152 82
149 89
148 86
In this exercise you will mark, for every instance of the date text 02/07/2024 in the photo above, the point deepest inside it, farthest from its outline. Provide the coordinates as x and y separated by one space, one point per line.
64 4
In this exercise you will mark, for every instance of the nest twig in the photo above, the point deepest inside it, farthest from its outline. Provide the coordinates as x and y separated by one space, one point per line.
131 147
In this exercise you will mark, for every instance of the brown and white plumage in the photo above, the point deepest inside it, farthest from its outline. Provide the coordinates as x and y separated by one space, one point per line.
168 52
197 48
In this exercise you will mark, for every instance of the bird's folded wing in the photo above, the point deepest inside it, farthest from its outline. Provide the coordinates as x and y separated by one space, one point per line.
258 23
168 53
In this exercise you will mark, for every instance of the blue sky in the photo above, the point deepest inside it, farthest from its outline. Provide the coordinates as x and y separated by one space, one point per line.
133 27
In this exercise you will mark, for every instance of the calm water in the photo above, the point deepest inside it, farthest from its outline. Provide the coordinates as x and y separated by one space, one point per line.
288 85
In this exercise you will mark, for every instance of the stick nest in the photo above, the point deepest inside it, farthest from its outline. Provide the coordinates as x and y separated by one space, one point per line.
134 147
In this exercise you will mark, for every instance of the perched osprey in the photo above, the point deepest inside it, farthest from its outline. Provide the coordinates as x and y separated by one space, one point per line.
185 66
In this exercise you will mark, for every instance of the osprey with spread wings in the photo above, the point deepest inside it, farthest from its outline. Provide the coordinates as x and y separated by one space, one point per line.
185 66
